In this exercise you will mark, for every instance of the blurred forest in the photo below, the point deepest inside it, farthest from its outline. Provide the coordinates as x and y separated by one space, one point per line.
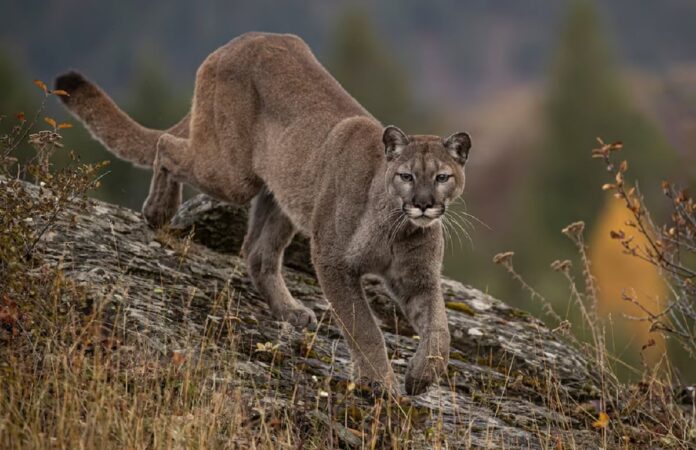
535 83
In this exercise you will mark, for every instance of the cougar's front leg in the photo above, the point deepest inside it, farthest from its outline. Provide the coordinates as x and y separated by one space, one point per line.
270 231
417 289
344 292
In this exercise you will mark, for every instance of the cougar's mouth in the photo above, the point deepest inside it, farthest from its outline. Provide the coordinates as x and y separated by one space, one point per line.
424 218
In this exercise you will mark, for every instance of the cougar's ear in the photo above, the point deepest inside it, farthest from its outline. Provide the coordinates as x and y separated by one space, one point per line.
395 141
458 146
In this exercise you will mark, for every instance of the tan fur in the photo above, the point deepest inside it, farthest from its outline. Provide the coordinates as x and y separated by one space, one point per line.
268 123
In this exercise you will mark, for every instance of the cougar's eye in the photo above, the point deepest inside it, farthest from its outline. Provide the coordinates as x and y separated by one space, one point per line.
442 178
407 177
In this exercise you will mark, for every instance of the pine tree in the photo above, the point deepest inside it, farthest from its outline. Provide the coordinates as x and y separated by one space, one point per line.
15 89
369 72
18 95
586 98
155 103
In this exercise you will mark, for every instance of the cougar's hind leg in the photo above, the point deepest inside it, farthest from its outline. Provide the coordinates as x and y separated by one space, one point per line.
174 156
165 194
169 170
164 198
270 231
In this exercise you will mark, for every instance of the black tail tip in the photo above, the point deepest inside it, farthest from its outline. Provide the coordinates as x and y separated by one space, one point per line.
70 82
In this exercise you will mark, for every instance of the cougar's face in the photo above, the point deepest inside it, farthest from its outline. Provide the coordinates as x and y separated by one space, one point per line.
425 173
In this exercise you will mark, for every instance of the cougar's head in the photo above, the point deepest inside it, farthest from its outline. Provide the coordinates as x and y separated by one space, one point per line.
425 173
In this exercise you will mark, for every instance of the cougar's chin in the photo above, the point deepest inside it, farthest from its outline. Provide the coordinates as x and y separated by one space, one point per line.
424 221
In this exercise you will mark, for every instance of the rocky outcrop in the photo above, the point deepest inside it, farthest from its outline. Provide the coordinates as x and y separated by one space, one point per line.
511 381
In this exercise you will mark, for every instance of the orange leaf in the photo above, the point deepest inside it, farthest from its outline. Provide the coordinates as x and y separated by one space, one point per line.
21 117
64 125
602 421
60 92
50 121
41 85
178 358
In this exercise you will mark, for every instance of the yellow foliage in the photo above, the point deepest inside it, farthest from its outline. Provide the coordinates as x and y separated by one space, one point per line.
616 272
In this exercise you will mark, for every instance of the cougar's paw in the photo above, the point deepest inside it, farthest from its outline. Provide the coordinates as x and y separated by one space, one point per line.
374 382
299 316
419 376
156 215
375 385
426 366
374 389
415 385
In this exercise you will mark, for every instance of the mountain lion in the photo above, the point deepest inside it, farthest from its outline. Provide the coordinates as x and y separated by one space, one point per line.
270 125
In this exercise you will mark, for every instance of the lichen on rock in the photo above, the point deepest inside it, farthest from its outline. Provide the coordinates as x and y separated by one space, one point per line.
174 284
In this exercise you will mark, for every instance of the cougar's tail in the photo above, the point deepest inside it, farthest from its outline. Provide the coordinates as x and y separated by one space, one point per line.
108 123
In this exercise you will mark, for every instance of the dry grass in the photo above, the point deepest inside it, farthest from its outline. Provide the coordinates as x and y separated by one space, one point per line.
73 376
659 410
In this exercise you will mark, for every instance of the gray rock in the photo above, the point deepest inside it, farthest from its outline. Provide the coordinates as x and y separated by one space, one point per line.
512 382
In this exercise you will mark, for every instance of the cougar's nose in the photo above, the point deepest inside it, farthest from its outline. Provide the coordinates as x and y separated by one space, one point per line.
423 203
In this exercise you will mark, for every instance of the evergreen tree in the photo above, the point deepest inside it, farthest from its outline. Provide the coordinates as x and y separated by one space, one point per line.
15 89
585 99
17 95
369 72
155 103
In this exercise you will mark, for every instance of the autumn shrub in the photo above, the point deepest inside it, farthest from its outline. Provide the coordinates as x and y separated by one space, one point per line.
36 302
669 246
658 410
26 218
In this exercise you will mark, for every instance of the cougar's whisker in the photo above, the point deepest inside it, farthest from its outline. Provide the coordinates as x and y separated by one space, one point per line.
456 232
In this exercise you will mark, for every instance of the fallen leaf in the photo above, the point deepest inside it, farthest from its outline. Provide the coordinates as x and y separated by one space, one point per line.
50 121
602 421
60 92
178 358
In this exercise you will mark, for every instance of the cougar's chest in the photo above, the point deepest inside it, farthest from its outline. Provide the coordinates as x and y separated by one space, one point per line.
368 250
